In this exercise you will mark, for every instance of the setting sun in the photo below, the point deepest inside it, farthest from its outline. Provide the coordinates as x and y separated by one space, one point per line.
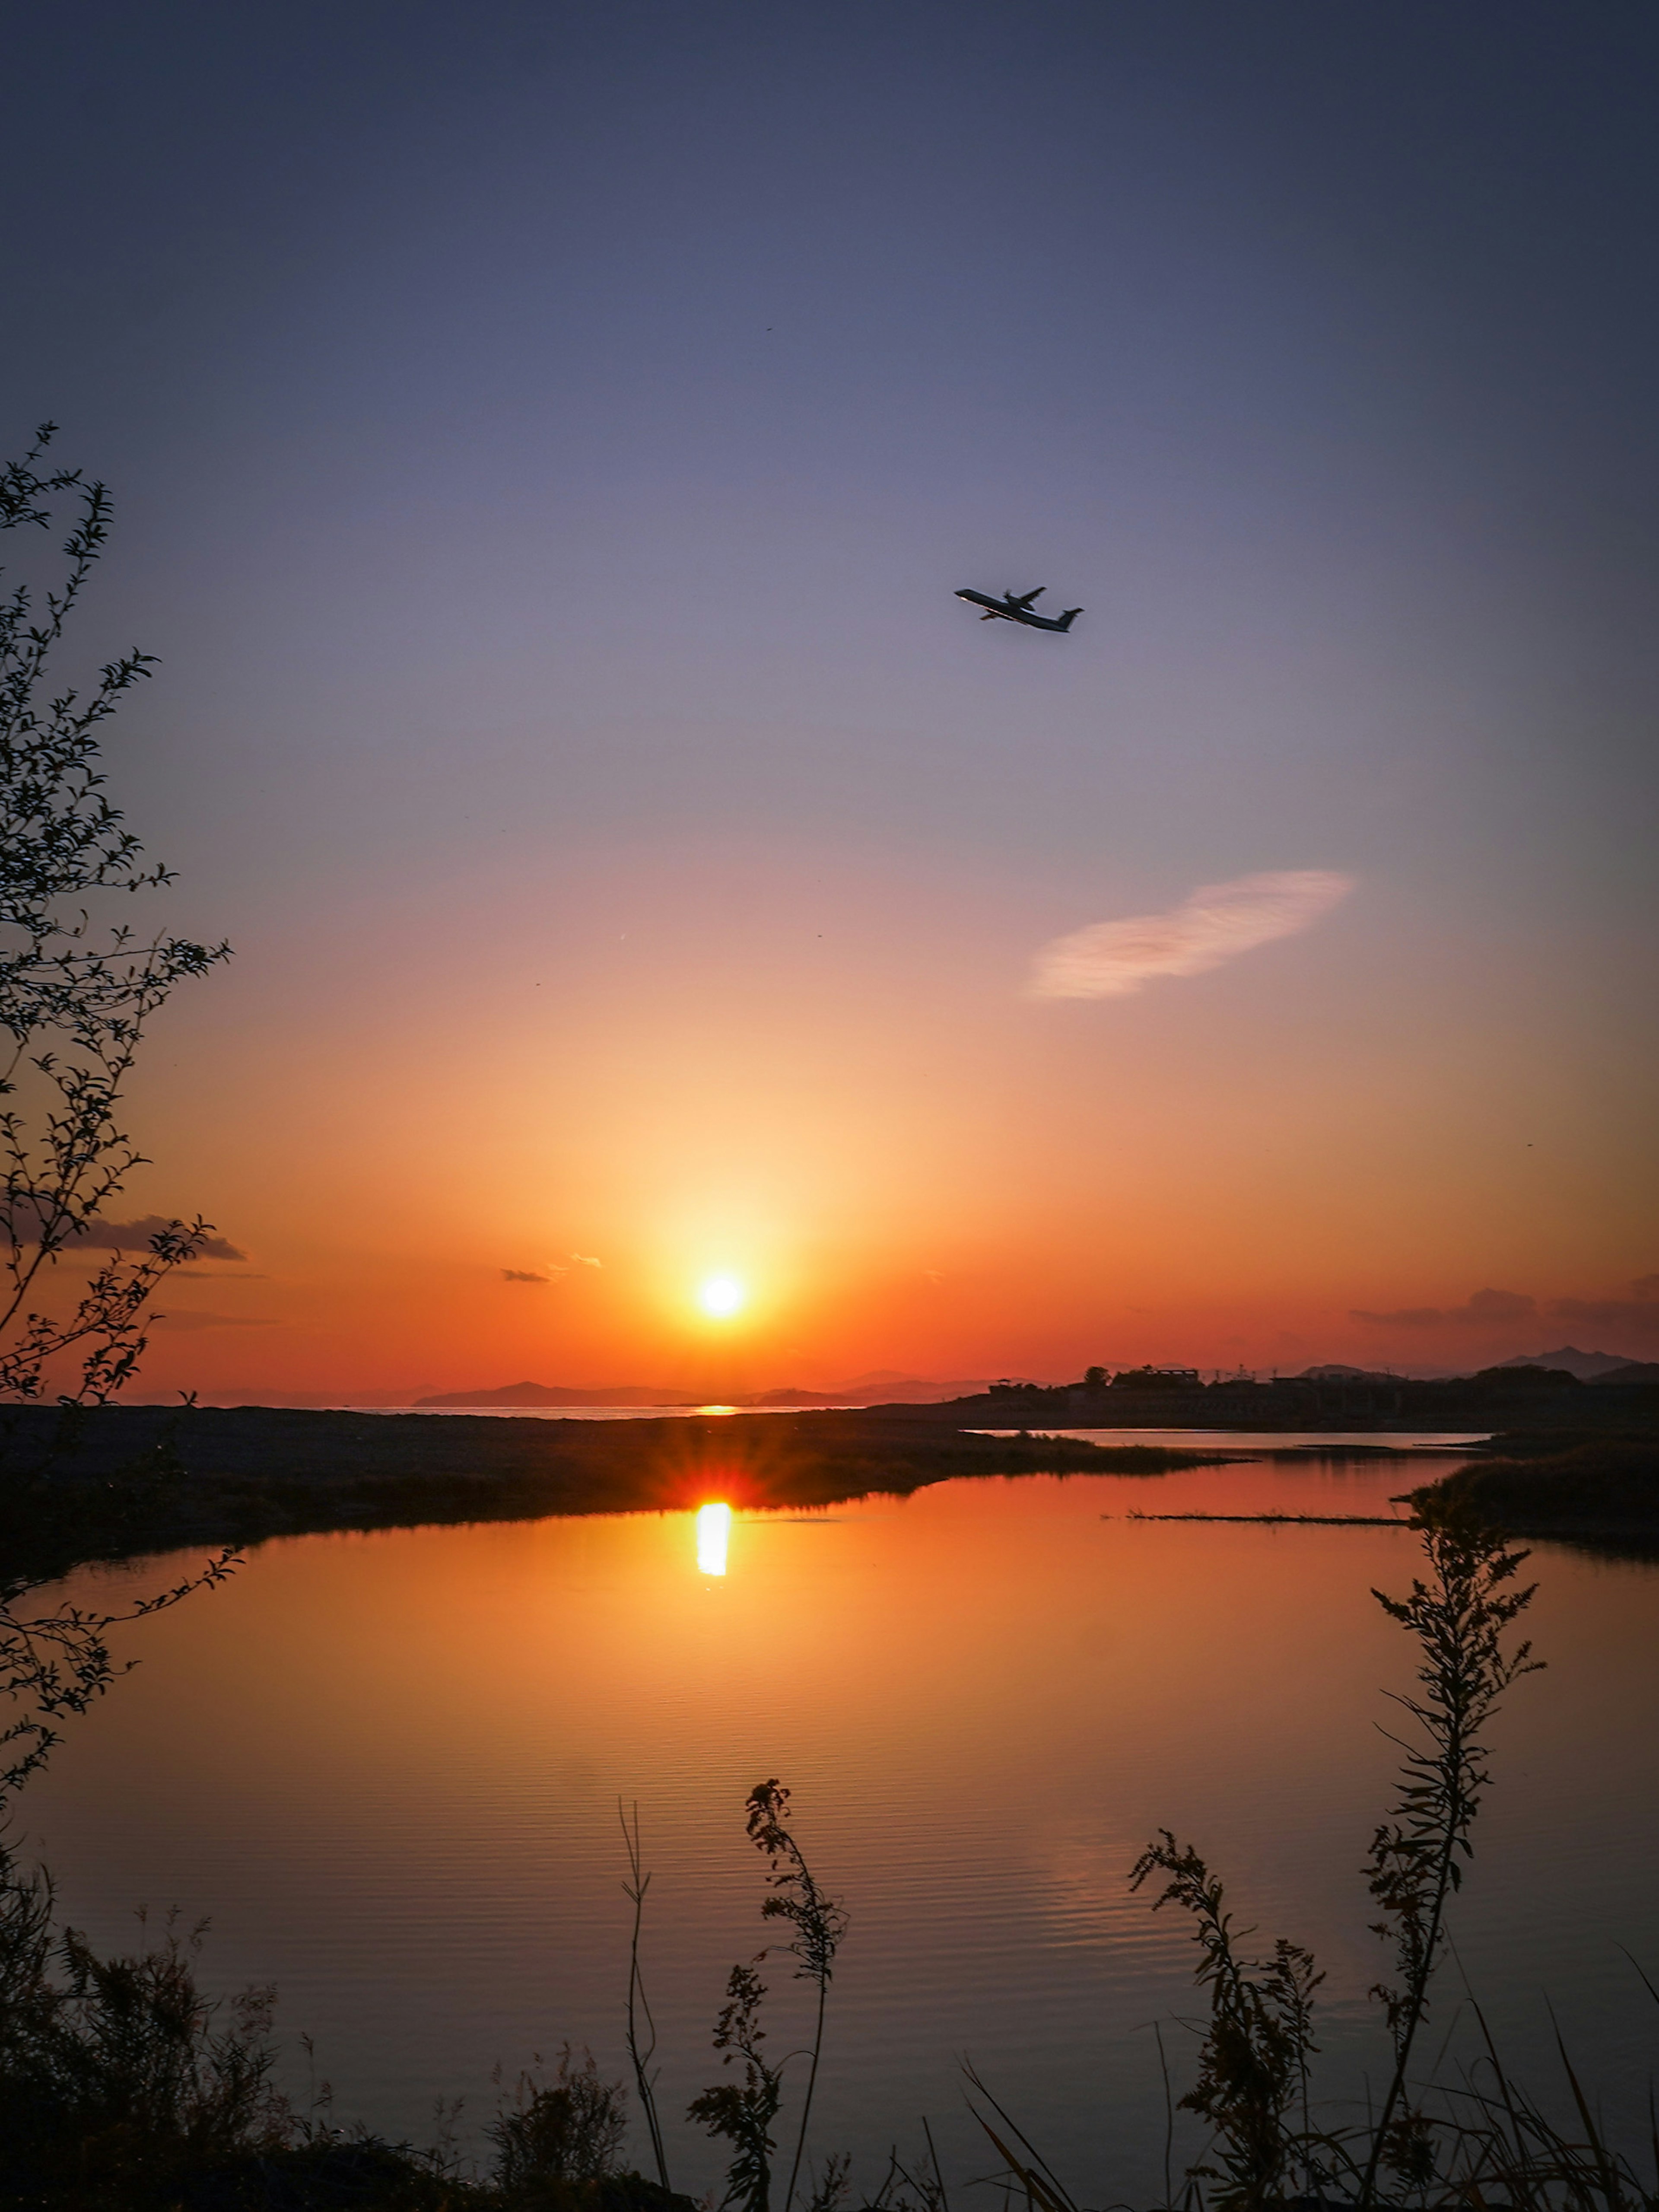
721 1296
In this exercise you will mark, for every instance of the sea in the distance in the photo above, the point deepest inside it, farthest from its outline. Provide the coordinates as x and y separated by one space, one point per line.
386 1767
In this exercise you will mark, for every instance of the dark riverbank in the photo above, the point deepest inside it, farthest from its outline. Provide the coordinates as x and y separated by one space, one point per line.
145 1479
1596 1489
1512 1399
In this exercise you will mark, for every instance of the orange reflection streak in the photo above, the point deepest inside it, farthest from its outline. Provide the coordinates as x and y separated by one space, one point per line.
713 1532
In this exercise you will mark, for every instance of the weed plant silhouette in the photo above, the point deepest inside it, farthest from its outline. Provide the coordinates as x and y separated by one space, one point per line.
818 1921
1254 2061
1459 1618
118 2079
570 2129
828 2191
1253 2067
741 2112
124 2088
904 2188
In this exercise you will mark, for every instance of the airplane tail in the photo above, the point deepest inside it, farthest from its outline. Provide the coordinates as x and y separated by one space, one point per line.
1065 620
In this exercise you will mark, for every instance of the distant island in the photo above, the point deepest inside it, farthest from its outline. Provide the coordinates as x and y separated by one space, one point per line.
891 1387
597 1394
885 1387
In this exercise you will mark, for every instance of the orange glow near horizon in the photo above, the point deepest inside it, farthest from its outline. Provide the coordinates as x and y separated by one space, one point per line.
905 1169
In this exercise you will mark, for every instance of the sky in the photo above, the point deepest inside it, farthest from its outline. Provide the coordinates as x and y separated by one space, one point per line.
545 443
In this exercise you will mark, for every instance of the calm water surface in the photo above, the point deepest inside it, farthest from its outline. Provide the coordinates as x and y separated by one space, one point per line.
387 1767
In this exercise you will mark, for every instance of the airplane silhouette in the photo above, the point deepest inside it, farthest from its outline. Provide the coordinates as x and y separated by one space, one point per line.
1017 609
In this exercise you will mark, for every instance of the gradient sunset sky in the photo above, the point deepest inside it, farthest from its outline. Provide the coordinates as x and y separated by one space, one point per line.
545 442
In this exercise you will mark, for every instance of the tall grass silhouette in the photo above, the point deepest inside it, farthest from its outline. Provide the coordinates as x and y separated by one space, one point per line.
1254 2062
742 2111
1481 2141
818 1921
641 2053
1459 1618
1253 2066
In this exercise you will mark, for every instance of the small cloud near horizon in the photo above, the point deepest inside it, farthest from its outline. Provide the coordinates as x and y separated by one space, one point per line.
554 1269
185 1317
1640 1311
1212 925
1487 1309
115 1235
1504 1308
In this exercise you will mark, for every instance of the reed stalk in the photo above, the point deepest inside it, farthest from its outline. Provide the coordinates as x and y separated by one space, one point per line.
638 2003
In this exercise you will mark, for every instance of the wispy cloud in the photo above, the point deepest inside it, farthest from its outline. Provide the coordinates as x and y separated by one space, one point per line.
1484 1308
26 1213
185 1317
1215 924
551 1271
1638 1312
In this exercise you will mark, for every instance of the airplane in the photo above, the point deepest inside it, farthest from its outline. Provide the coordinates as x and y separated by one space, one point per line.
1017 609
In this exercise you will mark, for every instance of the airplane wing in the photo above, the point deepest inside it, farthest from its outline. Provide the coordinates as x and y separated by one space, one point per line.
1027 598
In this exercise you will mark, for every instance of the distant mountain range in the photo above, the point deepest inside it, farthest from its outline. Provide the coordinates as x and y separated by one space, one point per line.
873 1390
553 1393
1333 1371
881 1385
1587 1367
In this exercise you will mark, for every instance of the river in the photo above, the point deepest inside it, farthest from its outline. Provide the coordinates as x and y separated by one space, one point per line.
387 1765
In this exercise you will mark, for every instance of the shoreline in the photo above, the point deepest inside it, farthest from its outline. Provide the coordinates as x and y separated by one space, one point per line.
140 1480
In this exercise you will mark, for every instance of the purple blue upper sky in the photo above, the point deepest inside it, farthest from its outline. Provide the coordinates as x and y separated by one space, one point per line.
546 441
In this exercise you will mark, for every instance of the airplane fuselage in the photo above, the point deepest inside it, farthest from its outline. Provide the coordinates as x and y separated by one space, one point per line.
1010 609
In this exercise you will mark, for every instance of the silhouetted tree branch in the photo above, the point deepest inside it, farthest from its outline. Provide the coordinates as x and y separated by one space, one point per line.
76 995
77 988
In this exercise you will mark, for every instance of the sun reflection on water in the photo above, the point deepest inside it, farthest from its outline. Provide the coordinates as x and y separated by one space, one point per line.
714 1529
